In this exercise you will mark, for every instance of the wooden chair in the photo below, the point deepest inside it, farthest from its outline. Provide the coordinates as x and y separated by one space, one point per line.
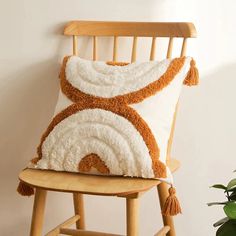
79 184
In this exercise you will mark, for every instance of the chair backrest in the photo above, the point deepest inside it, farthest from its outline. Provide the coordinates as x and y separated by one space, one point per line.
170 30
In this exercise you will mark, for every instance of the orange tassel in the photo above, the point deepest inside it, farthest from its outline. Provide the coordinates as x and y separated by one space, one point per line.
171 206
25 189
192 77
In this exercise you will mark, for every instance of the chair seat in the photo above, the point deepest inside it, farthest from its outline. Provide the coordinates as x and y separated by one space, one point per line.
90 184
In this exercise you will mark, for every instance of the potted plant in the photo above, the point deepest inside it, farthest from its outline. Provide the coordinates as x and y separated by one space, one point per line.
227 225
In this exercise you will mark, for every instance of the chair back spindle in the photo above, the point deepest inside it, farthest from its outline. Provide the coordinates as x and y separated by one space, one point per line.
170 48
153 49
75 45
94 48
134 49
115 48
184 47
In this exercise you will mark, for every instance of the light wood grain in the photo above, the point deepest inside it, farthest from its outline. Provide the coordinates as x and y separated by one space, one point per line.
67 223
184 47
78 201
74 232
115 46
163 231
89 184
132 208
119 28
75 45
153 49
38 212
170 48
134 49
167 220
94 48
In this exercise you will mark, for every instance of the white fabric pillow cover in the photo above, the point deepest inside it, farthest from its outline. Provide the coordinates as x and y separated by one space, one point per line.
113 119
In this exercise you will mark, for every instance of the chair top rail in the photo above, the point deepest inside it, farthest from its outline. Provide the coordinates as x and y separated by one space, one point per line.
139 29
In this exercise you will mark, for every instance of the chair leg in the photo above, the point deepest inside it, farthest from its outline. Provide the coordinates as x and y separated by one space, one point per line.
79 209
38 212
167 220
132 208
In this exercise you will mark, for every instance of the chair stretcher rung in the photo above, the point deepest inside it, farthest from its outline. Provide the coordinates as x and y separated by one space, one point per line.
66 223
163 231
78 232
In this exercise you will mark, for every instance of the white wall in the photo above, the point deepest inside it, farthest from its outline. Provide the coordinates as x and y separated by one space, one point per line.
31 47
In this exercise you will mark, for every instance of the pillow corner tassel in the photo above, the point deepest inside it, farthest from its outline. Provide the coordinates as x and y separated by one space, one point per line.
25 189
172 205
192 77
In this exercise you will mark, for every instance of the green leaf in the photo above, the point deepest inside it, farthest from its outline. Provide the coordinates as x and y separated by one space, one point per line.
216 203
232 190
231 184
227 229
232 196
230 210
220 222
220 186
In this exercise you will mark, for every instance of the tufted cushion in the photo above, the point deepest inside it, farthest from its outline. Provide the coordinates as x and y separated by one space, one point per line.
113 119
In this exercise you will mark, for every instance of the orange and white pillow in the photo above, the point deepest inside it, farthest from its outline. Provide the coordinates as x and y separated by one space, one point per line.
114 119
